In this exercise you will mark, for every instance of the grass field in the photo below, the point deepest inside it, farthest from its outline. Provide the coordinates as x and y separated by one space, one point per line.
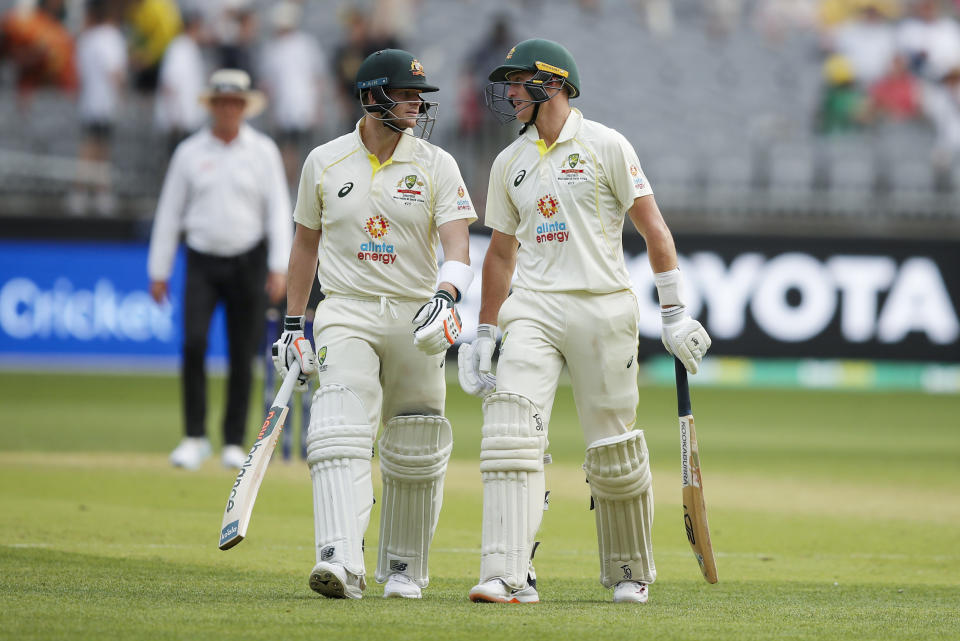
835 516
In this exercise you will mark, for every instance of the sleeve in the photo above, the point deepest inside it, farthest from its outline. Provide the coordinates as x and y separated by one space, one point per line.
501 213
279 229
450 198
166 223
622 169
308 209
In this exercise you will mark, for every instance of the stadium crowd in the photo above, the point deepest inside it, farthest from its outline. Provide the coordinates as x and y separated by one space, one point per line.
882 61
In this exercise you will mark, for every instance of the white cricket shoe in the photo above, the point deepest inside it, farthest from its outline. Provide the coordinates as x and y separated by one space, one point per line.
334 582
191 453
496 591
402 586
630 592
233 456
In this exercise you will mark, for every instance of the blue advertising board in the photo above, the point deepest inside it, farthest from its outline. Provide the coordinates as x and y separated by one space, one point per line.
90 302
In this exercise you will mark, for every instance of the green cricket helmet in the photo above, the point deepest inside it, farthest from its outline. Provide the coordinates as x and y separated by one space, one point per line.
548 60
394 69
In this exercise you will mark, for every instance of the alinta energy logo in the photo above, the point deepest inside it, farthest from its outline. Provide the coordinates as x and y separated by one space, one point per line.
549 232
378 227
637 177
463 203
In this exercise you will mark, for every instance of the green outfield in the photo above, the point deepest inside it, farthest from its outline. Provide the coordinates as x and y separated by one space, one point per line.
835 516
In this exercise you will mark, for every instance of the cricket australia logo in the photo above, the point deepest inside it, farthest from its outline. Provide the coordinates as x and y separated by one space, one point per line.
572 169
378 227
410 190
321 357
555 231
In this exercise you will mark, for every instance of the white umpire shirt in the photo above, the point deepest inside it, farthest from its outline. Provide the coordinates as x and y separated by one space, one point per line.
379 221
225 198
566 205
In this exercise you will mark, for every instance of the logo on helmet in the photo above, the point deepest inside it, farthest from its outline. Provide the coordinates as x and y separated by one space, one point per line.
416 68
510 54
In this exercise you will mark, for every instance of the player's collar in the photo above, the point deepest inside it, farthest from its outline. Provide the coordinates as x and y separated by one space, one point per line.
570 128
404 149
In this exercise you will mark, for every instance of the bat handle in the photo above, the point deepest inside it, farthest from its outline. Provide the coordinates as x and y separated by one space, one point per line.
683 389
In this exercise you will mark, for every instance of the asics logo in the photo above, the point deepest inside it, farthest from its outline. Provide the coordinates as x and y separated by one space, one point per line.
519 178
345 189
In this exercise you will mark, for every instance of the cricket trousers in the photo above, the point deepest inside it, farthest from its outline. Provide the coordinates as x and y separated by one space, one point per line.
595 335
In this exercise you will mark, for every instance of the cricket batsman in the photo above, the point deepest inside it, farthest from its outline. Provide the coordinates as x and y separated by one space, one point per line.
556 203
379 200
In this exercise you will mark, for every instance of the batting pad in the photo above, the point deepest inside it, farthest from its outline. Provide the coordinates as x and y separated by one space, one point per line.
339 448
511 464
414 451
618 470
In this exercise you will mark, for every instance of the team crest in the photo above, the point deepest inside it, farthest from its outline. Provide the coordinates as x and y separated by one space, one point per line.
410 181
321 355
573 160
416 69
510 54
548 206
377 226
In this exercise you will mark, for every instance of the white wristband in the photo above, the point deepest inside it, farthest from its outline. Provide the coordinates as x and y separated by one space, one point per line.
458 274
669 287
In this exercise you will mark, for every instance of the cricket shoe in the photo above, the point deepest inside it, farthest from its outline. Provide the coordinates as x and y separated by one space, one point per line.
334 582
191 453
233 456
496 591
402 586
630 592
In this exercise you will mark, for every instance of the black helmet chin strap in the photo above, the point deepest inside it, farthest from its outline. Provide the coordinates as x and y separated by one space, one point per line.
533 118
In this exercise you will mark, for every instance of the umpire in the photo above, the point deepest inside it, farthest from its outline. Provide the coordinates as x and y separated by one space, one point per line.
225 191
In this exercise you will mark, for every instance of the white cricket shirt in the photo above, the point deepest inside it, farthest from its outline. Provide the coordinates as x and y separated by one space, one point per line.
101 63
225 198
379 222
566 204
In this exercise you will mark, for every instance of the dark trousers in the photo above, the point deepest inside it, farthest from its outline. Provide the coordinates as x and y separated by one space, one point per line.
238 282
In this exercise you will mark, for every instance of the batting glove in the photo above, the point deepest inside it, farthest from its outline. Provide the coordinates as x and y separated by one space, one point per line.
294 346
684 337
438 324
475 363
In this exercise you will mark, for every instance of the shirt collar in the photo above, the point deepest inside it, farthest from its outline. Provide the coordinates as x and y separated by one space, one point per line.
243 136
570 128
404 149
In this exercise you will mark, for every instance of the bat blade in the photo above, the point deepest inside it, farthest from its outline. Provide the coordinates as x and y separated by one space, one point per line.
243 494
694 505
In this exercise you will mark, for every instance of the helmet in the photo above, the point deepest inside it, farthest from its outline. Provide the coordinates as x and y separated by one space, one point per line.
541 55
394 69
549 61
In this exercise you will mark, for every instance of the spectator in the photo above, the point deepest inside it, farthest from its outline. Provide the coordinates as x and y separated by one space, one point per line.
40 47
843 105
293 70
360 43
235 30
154 24
178 112
101 67
225 191
895 96
930 40
867 41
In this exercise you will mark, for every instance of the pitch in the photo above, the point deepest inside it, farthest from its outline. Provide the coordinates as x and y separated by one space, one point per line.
834 516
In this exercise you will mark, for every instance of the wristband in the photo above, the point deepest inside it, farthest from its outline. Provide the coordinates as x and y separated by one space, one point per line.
458 274
293 323
669 288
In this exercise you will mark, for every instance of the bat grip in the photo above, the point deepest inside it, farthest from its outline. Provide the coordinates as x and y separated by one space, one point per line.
282 398
683 389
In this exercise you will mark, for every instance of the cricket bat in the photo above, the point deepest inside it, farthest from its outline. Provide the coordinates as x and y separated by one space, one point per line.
694 506
243 494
